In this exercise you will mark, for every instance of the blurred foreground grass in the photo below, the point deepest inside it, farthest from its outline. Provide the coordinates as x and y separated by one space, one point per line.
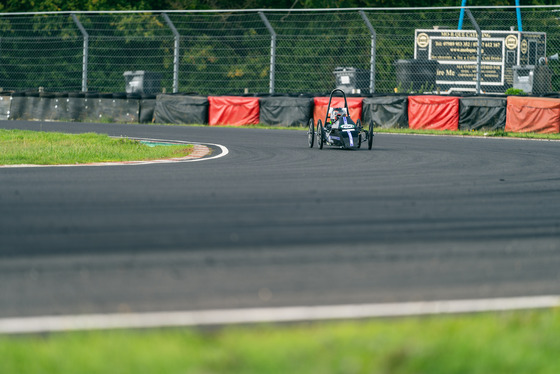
508 342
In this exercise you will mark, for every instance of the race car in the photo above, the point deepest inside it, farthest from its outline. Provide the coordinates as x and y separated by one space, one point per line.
339 129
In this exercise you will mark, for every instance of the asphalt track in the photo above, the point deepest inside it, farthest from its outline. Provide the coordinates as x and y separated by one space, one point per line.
275 223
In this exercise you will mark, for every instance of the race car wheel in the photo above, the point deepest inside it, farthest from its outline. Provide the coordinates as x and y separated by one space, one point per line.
320 134
370 135
311 133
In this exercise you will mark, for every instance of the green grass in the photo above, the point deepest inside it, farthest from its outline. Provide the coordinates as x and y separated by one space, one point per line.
50 148
509 342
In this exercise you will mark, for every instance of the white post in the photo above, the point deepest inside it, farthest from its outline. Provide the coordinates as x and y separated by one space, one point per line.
372 52
272 50
177 38
85 52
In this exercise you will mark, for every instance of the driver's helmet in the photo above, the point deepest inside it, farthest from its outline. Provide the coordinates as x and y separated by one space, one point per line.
336 113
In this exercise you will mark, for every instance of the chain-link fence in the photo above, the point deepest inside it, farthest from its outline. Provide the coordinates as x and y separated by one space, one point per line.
283 51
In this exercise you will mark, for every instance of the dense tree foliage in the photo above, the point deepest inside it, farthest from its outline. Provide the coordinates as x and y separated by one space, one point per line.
48 51
67 5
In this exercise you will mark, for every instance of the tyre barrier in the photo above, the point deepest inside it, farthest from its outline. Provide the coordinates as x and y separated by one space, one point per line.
511 113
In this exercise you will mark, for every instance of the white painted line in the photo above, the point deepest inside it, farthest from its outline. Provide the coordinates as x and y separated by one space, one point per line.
223 149
224 152
268 315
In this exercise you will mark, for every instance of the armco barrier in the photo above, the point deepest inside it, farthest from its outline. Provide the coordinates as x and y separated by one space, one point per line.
321 104
533 114
181 109
386 111
428 112
482 113
233 110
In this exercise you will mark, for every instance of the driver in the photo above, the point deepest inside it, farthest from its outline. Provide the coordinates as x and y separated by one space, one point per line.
336 114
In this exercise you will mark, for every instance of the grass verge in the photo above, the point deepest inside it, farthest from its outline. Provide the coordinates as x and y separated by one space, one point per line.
486 134
508 342
51 148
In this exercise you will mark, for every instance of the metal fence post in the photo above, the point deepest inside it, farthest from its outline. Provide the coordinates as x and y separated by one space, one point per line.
372 53
85 52
518 13
478 49
177 38
272 50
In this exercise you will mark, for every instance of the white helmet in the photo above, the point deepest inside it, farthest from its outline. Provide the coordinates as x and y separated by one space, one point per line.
336 113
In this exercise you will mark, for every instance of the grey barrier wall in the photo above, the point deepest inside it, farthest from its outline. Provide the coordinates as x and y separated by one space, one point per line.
286 111
73 107
112 108
277 50
147 108
482 113
5 104
181 109
386 111
22 106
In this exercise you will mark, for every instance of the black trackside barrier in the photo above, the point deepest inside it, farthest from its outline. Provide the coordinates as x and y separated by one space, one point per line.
147 108
44 107
386 111
124 95
391 111
181 109
285 111
59 107
115 109
482 113
32 102
76 106
34 106
22 106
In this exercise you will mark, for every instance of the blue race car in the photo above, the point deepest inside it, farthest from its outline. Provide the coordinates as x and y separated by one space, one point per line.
339 129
